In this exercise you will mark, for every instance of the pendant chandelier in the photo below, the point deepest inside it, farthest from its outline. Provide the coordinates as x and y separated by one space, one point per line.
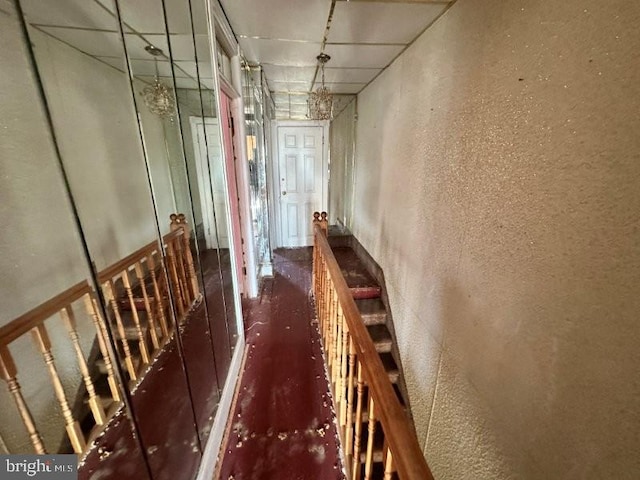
159 98
321 101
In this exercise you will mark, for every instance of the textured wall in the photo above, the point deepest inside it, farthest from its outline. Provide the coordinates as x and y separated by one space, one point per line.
498 185
96 128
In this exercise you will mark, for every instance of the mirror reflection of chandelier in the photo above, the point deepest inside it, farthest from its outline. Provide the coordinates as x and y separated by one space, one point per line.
321 101
158 97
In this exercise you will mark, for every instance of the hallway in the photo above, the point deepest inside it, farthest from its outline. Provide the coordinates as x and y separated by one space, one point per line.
280 427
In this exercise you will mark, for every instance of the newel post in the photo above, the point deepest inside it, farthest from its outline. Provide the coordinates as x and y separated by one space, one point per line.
321 219
179 221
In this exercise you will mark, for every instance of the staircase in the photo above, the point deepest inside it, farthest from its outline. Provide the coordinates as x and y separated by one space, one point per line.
97 364
366 284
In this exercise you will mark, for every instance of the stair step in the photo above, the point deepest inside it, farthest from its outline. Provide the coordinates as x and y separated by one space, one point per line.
366 292
390 366
372 310
378 444
381 337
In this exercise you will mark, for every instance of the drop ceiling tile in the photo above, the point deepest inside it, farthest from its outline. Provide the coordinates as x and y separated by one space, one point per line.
367 56
178 16
103 44
290 86
115 62
188 69
280 73
136 45
343 87
350 75
148 67
182 46
286 99
69 13
377 22
284 19
144 16
189 83
296 54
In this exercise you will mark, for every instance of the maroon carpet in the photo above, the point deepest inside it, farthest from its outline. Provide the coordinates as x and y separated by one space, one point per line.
283 424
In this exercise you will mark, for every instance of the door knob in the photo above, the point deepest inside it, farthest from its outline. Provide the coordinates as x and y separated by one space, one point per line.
284 193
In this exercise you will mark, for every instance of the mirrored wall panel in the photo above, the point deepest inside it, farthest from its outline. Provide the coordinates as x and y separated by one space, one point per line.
167 92
62 388
120 290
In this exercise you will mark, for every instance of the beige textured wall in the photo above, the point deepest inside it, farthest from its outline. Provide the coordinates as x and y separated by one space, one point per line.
498 185
96 128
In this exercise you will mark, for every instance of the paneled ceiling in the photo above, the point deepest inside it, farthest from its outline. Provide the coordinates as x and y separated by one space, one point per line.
362 37
90 26
283 36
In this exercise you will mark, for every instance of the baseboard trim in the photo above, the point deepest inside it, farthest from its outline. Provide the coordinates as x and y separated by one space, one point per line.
216 437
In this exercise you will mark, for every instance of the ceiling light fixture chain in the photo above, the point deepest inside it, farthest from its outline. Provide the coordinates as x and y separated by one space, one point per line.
321 101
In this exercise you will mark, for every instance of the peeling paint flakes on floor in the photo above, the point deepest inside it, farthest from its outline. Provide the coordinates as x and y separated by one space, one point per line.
284 424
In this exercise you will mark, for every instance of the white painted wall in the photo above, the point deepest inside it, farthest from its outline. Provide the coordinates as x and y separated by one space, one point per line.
498 186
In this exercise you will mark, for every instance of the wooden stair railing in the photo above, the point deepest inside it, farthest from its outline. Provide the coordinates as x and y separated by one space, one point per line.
361 388
35 322
137 292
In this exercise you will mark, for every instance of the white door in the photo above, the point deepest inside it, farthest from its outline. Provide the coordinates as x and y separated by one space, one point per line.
302 180
208 152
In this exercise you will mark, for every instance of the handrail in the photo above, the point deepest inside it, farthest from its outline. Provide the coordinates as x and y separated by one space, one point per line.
113 269
26 321
352 340
35 322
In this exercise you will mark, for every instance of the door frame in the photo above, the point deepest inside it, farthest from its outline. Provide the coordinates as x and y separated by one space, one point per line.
274 188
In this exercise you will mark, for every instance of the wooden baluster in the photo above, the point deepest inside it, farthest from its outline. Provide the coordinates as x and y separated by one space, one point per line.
9 373
142 343
343 375
350 397
76 437
388 464
182 273
337 362
109 293
177 294
327 312
331 332
323 301
316 253
368 465
147 307
337 340
92 309
69 319
179 221
158 296
358 425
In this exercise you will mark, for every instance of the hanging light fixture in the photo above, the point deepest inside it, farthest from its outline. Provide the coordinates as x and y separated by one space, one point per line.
158 97
321 101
